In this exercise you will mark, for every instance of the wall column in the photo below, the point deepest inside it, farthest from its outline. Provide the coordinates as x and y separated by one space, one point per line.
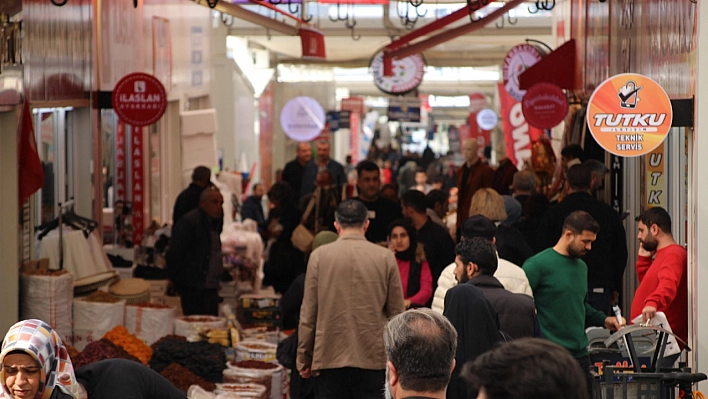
9 214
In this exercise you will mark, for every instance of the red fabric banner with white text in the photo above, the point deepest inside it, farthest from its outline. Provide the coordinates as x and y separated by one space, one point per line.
138 183
518 134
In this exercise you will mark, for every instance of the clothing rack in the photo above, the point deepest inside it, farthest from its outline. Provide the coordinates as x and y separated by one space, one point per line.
66 204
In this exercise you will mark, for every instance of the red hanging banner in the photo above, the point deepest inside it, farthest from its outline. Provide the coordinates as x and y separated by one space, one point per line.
518 134
138 183
120 162
313 44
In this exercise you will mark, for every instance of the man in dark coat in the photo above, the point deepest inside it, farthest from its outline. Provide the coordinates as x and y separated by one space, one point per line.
381 210
323 162
194 258
608 257
471 176
188 199
295 169
476 263
252 207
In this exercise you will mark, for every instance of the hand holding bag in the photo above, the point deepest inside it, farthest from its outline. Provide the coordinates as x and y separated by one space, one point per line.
302 237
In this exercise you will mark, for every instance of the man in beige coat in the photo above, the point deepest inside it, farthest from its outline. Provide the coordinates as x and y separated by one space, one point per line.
352 288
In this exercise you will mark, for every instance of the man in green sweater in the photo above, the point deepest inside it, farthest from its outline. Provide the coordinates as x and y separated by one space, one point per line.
558 279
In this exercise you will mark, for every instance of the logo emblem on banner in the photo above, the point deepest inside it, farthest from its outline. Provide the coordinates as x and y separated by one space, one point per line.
518 59
544 105
629 115
139 99
487 119
407 74
302 119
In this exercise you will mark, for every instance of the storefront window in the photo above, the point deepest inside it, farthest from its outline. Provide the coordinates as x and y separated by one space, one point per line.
54 142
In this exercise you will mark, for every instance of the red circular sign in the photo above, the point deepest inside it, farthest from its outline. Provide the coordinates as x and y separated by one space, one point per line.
139 99
544 105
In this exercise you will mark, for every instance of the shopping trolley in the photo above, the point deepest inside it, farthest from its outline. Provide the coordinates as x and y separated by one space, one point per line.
644 382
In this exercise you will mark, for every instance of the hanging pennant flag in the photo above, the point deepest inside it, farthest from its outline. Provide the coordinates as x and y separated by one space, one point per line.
30 173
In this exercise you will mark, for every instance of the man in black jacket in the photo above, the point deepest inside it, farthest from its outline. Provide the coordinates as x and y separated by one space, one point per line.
194 258
476 263
188 199
608 257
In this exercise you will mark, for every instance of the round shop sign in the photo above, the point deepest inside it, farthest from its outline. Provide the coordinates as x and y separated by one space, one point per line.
407 74
487 119
302 119
629 115
139 99
544 105
517 60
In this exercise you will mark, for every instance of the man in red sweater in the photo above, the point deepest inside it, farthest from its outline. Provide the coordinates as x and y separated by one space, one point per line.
662 281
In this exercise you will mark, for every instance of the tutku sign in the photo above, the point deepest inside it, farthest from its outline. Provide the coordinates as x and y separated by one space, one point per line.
629 115
139 99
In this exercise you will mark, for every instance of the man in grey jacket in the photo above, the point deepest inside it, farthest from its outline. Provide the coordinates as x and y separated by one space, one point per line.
352 288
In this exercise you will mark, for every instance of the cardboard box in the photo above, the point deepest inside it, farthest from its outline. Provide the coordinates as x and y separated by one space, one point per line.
255 301
39 264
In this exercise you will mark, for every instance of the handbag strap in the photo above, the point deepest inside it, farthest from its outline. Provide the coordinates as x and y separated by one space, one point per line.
309 207
344 191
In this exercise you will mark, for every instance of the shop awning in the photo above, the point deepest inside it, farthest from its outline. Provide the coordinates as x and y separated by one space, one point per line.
558 68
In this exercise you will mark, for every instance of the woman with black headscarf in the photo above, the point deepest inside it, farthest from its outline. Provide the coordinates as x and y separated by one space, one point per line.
477 325
416 279
284 261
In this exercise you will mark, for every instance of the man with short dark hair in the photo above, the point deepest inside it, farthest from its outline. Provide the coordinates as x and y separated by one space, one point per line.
252 207
476 263
194 260
437 243
509 274
295 169
352 288
663 284
558 278
598 170
188 199
381 210
436 206
420 348
608 259
527 368
323 162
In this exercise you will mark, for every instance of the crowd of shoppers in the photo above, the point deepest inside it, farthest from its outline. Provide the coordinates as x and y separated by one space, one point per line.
500 257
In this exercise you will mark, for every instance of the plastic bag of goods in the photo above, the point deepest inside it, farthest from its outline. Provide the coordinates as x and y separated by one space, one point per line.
47 295
255 350
197 392
270 375
148 321
133 290
94 316
191 326
250 391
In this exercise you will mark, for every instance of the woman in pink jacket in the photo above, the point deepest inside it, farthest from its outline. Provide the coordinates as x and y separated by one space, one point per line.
416 279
